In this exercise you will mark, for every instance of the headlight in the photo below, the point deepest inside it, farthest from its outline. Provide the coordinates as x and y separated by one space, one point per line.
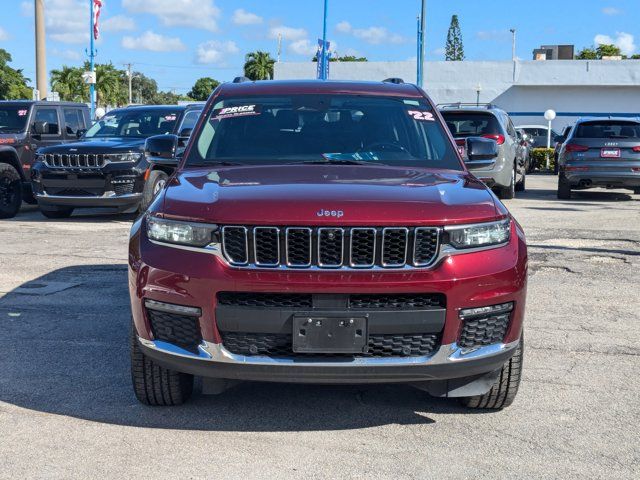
479 235
125 157
181 233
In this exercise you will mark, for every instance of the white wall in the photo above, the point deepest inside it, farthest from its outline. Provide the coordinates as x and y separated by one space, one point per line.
525 89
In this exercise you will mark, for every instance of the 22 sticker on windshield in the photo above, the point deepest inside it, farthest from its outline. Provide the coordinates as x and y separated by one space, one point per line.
238 111
422 116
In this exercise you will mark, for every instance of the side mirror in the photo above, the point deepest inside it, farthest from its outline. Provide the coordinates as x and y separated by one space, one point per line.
559 139
481 152
161 149
81 132
40 128
186 132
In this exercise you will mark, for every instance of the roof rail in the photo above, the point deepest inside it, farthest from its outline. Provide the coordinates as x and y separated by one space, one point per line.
395 80
241 80
462 104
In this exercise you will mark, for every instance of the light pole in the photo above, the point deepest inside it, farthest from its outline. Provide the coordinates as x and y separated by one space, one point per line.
41 56
513 44
421 35
323 54
478 90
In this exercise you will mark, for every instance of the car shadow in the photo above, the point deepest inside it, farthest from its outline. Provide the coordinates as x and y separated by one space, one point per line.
30 213
66 353
578 197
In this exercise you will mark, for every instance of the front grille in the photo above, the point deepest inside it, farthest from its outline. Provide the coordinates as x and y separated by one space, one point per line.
478 332
75 160
304 301
180 330
265 300
330 247
380 345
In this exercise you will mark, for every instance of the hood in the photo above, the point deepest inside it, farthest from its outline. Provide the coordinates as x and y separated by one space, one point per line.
328 195
98 145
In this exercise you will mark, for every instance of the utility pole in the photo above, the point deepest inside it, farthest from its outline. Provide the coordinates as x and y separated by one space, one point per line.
130 75
41 54
279 46
423 23
513 44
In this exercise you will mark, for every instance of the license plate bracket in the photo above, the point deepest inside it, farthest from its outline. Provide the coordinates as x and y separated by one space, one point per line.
609 152
318 334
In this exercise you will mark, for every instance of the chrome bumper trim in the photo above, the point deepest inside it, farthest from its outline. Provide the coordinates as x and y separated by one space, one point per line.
446 354
109 194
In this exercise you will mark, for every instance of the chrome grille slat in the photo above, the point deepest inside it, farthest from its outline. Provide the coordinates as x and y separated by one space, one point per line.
75 160
331 247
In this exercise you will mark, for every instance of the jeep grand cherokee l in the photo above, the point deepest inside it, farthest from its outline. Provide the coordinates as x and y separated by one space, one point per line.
326 232
106 167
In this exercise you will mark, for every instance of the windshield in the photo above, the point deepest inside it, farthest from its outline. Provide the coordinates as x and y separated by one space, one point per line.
135 123
608 129
471 124
323 128
13 119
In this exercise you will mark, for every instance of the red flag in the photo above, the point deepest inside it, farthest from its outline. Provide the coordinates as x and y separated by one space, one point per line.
97 5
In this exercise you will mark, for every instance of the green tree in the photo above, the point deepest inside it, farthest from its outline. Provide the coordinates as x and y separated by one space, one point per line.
605 50
454 50
344 58
13 84
69 84
587 53
259 66
167 98
203 88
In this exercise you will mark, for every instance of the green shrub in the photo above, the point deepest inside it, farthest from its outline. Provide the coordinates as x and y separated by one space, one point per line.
539 158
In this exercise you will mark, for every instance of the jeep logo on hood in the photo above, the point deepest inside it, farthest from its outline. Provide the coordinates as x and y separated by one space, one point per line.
330 213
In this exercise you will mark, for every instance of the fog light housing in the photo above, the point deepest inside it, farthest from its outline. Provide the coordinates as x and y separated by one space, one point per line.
482 326
485 311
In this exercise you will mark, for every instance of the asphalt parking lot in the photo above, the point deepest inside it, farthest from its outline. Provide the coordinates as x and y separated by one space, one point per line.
67 408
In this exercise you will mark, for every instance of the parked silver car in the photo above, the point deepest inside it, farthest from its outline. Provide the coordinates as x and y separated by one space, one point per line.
508 174
600 153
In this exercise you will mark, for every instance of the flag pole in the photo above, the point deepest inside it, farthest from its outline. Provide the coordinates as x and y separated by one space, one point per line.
323 68
92 87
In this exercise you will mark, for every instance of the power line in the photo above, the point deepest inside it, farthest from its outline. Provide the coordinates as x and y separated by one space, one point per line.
193 67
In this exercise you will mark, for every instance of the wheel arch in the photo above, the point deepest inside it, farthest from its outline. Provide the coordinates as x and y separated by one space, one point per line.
9 155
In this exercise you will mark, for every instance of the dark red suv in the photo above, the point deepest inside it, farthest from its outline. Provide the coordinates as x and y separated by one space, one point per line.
326 232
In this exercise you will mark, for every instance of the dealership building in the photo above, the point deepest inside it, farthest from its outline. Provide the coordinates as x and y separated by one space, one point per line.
525 89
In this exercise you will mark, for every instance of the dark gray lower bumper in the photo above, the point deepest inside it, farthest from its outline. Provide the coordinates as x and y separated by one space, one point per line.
88 201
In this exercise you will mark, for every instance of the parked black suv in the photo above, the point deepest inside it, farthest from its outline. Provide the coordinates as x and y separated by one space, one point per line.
26 126
106 167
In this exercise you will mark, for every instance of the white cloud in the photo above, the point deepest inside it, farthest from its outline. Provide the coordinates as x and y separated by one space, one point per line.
153 42
343 27
66 21
377 35
303 47
118 23
215 51
202 14
3 34
611 11
242 17
624 41
288 33
67 54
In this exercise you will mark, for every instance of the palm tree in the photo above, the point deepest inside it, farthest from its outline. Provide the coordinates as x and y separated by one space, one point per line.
109 90
69 84
259 66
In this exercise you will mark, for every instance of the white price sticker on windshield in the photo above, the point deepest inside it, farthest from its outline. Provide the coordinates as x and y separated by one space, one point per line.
239 111
422 116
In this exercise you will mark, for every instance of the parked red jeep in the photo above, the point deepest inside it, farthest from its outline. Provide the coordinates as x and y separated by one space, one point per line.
326 232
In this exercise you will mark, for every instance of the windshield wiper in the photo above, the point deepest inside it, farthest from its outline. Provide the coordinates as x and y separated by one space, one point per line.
220 163
335 162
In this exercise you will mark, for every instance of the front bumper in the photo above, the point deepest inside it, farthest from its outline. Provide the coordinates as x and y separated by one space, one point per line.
114 185
193 279
213 360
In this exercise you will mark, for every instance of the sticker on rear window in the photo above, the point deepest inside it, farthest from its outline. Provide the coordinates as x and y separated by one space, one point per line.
22 113
239 111
170 117
422 116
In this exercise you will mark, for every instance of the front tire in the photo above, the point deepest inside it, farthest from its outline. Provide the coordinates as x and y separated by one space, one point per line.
155 385
10 191
54 212
522 184
154 184
504 391
564 188
508 192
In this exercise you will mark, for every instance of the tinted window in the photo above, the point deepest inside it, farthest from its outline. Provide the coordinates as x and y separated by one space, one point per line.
190 119
608 129
73 120
469 124
49 115
13 119
290 129
135 123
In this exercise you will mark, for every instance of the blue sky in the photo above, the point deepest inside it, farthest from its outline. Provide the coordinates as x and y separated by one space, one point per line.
177 41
